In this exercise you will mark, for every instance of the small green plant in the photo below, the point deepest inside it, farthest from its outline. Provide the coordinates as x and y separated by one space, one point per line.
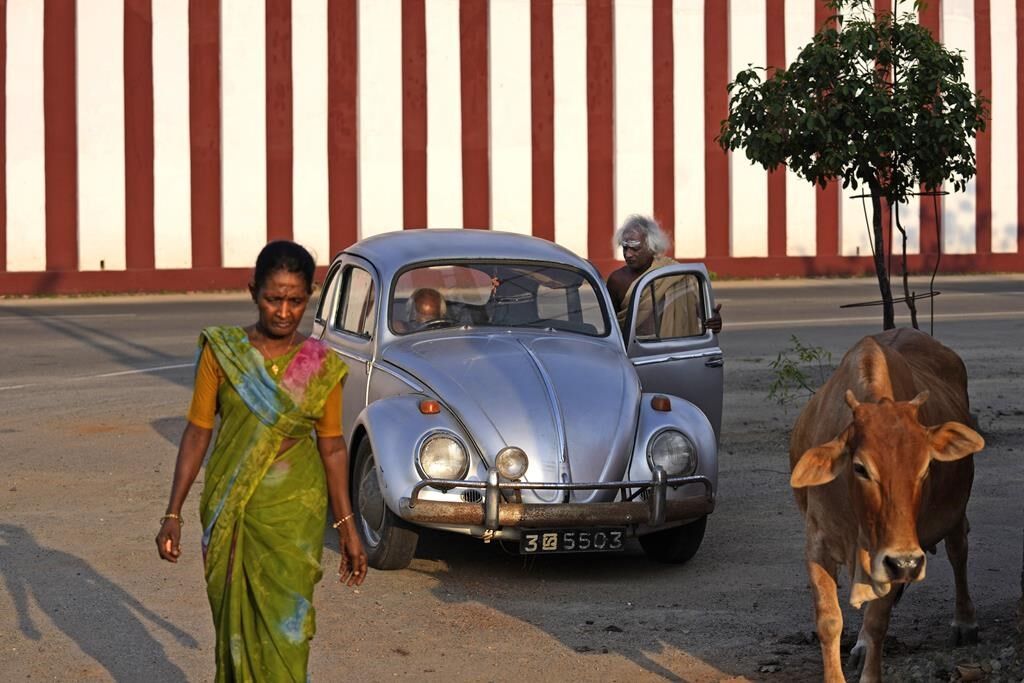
792 368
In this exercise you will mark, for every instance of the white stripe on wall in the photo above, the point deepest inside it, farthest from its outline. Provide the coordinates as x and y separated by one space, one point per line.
959 208
444 115
243 131
688 128
569 26
801 206
99 66
634 110
748 183
26 141
380 116
310 214
172 170
854 238
511 117
1004 126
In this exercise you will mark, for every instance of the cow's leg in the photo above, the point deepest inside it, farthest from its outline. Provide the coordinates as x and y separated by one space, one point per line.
964 629
828 617
866 656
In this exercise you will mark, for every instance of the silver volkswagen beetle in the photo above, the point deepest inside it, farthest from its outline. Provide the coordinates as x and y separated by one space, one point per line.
492 392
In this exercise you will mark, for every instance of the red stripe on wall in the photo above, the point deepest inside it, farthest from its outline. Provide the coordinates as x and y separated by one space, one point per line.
414 113
138 134
3 135
542 105
827 198
600 128
883 7
342 131
931 219
776 34
204 121
279 119
61 136
476 175
716 110
983 151
663 51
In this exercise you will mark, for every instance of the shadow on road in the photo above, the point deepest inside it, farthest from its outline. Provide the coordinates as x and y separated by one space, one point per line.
76 598
608 624
121 349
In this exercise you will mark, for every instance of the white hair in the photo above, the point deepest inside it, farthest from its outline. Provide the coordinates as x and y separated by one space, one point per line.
657 241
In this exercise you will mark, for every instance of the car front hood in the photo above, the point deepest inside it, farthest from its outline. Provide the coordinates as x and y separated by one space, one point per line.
570 403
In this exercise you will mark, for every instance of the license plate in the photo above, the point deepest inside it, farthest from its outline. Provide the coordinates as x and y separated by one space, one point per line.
550 541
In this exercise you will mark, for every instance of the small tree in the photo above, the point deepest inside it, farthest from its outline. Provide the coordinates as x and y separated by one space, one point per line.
873 100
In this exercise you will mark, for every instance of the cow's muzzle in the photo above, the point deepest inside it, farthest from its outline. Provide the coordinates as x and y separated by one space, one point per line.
903 567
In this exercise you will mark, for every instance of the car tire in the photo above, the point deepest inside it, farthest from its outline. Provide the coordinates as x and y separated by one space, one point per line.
676 545
389 541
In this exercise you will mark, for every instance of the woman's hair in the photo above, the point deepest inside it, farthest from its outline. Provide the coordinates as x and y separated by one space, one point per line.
657 240
287 256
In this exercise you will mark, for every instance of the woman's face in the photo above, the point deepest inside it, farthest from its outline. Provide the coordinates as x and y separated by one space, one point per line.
281 300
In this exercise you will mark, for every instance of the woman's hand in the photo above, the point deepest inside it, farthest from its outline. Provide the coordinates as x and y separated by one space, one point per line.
168 541
352 570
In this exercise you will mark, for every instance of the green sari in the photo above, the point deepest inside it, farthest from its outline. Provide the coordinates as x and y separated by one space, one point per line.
263 512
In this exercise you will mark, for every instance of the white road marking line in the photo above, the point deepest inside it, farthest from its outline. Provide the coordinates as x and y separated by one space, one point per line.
158 368
120 373
59 316
17 386
922 318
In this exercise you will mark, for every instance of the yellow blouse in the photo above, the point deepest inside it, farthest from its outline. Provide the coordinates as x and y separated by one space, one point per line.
203 409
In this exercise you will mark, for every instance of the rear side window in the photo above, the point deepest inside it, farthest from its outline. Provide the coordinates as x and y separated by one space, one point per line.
356 312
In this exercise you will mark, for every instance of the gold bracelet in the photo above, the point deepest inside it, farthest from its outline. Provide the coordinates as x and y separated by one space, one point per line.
172 515
343 520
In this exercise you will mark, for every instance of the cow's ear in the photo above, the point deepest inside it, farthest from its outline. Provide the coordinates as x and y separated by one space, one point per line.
819 465
952 441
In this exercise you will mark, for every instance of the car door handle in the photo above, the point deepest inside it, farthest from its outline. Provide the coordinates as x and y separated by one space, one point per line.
714 362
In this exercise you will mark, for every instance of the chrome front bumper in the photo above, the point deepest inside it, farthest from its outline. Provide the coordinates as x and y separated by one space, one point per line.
495 512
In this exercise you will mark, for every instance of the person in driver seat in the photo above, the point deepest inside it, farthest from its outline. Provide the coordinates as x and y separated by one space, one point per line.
424 306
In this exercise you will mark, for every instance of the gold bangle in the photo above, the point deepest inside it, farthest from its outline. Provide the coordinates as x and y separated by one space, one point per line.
344 519
172 515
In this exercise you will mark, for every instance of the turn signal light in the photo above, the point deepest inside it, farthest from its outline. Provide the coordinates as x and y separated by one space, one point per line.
661 403
429 406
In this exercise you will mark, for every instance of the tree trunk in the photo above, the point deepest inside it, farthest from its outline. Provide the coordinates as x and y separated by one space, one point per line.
888 315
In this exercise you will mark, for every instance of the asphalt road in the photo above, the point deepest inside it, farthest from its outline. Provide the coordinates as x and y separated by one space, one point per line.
92 394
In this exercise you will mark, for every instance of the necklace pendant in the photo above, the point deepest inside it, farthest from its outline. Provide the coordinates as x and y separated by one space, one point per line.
273 368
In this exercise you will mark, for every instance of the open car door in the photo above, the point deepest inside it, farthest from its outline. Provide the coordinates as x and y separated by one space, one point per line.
667 341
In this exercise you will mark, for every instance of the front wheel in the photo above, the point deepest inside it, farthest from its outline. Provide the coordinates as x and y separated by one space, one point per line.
676 545
389 541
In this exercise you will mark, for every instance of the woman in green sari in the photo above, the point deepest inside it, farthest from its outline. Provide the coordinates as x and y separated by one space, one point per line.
268 480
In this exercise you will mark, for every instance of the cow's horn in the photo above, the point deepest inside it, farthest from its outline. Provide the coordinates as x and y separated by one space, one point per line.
919 399
851 400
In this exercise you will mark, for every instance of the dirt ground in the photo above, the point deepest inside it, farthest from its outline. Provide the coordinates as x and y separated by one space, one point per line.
84 478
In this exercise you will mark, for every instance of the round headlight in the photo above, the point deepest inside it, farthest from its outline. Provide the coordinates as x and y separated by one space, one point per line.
673 452
511 462
443 457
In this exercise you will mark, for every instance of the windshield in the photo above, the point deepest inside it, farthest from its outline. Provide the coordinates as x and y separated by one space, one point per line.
497 295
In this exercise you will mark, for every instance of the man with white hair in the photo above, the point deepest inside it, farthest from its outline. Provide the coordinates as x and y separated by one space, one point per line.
644 244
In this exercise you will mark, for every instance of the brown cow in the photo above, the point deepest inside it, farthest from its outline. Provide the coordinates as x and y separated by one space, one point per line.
877 488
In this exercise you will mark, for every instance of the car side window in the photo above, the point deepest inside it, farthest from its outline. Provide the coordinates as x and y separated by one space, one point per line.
356 314
670 307
327 295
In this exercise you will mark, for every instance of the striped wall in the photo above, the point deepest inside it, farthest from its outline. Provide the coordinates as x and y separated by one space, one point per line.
158 144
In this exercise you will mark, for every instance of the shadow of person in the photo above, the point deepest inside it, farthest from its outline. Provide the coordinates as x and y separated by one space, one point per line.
170 428
101 617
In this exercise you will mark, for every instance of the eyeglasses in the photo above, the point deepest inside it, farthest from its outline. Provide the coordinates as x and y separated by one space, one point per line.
631 244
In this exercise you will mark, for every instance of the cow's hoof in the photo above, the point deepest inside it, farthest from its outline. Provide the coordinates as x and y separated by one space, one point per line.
963 634
855 662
